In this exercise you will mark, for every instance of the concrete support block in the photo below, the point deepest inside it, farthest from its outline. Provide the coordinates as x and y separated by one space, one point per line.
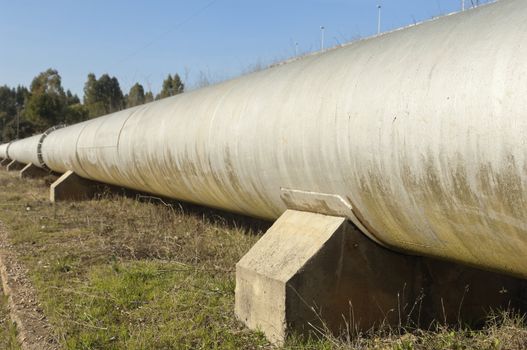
32 171
14 166
309 267
311 270
70 186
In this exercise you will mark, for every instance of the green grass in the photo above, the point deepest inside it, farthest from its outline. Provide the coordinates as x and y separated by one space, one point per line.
149 304
128 273
8 332
118 273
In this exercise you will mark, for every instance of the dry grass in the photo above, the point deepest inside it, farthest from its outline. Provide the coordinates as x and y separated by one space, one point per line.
503 330
8 332
119 272
143 273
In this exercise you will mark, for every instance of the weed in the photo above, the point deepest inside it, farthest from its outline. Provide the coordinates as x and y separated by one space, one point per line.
8 331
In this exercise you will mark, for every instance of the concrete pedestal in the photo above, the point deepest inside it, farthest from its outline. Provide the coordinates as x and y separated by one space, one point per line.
312 267
70 186
15 166
32 171
318 271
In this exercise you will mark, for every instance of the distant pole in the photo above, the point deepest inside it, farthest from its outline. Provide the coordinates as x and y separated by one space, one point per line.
378 19
322 37
296 48
462 5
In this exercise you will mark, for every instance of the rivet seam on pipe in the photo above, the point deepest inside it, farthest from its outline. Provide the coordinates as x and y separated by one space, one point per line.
41 141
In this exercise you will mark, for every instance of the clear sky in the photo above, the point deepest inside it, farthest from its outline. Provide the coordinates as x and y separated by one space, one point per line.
143 41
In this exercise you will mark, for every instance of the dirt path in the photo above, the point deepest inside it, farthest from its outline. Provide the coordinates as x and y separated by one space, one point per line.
34 331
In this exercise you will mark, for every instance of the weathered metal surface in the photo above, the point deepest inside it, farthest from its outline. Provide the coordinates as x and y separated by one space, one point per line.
43 136
25 151
421 130
3 150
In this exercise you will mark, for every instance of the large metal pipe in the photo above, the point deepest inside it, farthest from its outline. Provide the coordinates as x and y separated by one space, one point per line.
422 130
25 151
3 150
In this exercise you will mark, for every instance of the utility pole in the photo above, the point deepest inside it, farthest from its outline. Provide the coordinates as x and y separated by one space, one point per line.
378 19
322 28
462 5
296 48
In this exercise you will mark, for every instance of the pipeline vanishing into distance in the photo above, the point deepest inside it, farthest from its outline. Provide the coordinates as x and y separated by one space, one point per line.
421 130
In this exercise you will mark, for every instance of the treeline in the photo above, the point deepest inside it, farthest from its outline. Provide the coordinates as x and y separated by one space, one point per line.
25 112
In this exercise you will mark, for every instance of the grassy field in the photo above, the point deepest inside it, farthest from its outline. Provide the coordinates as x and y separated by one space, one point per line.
140 273
8 339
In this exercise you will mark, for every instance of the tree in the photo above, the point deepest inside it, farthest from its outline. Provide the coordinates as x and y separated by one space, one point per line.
47 82
46 105
149 97
7 101
92 98
24 128
90 90
110 93
177 84
103 95
167 89
12 109
21 97
76 113
72 99
8 108
136 96
171 87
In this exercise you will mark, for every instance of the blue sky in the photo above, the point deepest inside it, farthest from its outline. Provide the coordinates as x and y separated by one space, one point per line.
143 41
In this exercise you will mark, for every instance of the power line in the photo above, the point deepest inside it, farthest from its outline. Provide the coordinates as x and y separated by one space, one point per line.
179 25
